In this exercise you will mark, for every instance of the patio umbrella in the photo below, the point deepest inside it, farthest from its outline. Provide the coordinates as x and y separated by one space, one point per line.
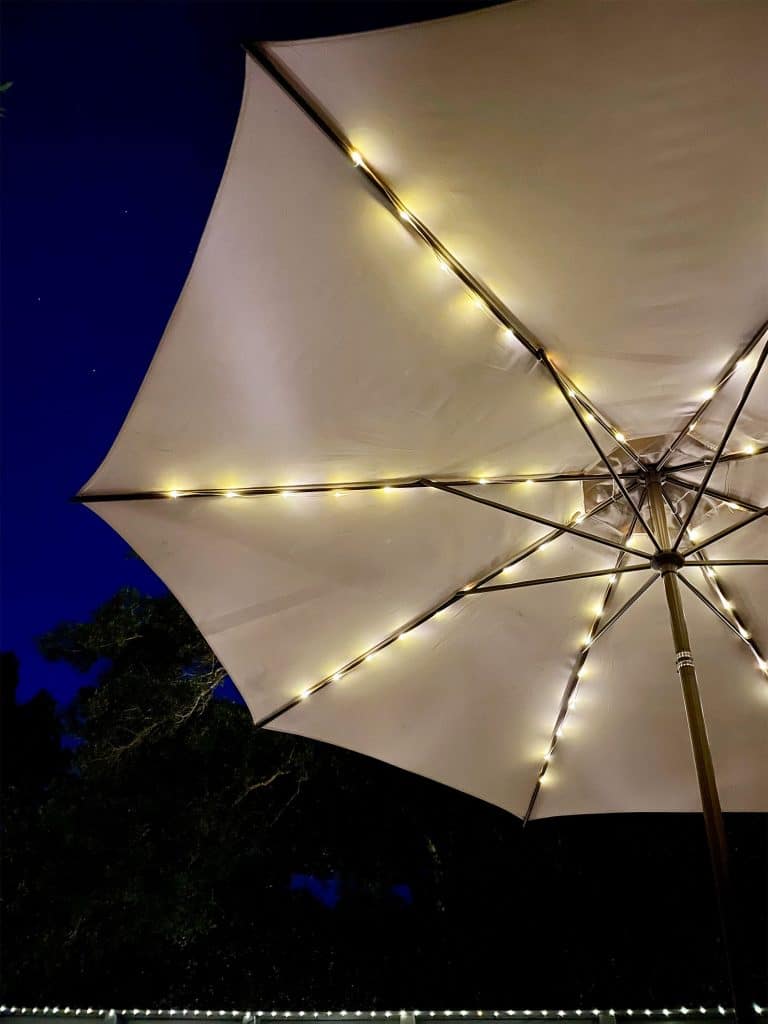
454 445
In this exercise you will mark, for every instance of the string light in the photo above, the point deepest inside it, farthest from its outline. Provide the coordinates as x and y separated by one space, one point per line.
356 158
173 494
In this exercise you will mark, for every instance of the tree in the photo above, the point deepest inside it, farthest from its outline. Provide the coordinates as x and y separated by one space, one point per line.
178 856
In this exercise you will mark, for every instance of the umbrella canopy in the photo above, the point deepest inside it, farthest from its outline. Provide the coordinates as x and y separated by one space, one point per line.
481 303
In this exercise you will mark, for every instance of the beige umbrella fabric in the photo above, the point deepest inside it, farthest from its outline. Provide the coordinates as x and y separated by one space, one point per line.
520 254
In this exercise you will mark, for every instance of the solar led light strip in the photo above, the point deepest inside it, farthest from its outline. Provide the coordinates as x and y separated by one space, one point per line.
734 363
251 1015
337 487
406 629
721 446
483 296
701 562
568 700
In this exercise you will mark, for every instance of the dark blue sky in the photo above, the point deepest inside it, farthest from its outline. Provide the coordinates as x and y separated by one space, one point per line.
117 129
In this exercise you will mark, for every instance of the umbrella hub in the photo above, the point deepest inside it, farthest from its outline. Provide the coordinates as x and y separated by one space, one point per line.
667 561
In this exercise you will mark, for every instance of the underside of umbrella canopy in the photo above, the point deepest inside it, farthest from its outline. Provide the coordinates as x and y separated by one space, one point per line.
470 290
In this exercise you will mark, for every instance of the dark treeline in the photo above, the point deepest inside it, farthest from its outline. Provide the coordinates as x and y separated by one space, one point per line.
158 851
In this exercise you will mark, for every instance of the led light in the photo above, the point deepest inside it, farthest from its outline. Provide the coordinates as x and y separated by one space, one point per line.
709 393
619 437
173 494
612 578
693 426
509 334
546 544
733 505
304 694
336 494
443 264
711 573
762 665
749 449
371 656
597 608
725 602
548 756
404 215
693 532
286 493
587 640
572 703
478 302
508 569
336 676
482 481
356 158
579 517
231 494
743 633
571 393
387 489
589 417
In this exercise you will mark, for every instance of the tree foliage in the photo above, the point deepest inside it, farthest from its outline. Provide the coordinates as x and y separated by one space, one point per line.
170 854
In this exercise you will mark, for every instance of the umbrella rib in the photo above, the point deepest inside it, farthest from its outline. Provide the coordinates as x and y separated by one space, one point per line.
747 640
554 373
400 483
725 376
567 700
701 562
729 499
726 532
706 562
761 449
561 579
330 127
538 519
721 447
420 619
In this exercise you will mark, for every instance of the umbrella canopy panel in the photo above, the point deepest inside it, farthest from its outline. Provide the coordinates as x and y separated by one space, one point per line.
341 445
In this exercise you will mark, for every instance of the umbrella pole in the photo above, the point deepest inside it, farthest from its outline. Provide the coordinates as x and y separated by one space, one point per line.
668 565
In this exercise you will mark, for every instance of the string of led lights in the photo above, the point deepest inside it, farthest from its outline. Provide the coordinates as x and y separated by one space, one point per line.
721 446
338 488
578 670
740 359
710 575
405 631
248 1016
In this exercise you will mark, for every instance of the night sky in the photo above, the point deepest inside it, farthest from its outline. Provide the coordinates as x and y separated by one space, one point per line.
116 132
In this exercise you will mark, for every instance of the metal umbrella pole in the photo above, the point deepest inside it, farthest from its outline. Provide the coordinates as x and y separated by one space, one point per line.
668 562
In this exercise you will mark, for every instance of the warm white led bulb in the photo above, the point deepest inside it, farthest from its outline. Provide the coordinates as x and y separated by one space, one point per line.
404 215
706 395
230 494
620 437
173 494
356 158
749 449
